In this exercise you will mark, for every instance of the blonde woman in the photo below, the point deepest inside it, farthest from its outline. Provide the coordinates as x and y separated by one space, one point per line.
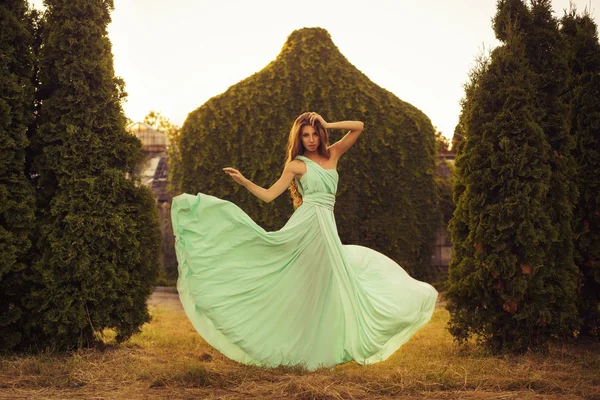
296 296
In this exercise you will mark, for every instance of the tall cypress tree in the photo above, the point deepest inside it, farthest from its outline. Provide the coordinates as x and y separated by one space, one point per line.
543 299
547 55
581 32
16 194
98 251
500 229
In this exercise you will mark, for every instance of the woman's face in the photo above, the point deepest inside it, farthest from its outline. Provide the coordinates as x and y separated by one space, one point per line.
310 138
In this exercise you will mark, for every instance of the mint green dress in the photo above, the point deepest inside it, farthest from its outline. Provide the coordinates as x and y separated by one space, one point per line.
296 295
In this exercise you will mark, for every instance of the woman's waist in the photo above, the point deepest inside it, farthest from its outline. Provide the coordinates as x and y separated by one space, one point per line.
321 199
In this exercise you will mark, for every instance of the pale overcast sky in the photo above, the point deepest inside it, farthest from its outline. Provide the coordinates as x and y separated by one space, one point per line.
175 55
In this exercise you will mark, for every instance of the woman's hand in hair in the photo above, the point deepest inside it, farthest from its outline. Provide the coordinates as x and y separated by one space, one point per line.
235 174
316 117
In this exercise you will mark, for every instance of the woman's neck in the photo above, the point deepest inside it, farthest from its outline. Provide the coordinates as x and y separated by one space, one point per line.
314 154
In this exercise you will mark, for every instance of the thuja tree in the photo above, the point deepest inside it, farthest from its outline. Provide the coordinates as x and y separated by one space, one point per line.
582 35
546 52
386 198
500 229
16 193
98 251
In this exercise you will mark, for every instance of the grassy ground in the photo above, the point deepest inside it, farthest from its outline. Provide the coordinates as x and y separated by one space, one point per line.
170 360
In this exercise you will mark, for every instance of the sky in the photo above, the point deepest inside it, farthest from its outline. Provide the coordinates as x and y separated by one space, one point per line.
175 55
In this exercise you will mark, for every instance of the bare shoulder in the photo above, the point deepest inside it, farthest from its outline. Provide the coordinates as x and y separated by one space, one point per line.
297 167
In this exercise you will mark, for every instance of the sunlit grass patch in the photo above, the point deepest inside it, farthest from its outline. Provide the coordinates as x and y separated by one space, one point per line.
169 359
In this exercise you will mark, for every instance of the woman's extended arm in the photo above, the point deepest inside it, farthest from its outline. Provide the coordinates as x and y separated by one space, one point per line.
352 125
342 145
290 171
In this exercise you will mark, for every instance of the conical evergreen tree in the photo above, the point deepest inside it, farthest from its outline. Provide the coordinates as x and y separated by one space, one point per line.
386 193
544 304
500 229
16 193
511 16
582 34
547 55
98 251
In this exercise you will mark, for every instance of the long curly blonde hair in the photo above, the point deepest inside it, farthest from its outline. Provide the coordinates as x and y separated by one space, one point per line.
295 148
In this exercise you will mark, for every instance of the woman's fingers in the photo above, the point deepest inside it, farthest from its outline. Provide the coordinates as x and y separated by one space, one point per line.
230 171
314 117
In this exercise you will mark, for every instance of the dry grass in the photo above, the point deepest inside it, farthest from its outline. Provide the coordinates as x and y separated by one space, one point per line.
170 360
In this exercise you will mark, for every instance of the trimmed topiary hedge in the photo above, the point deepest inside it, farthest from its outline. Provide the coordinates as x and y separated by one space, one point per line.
386 197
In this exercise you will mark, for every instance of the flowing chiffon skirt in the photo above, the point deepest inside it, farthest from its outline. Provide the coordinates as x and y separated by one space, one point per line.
296 295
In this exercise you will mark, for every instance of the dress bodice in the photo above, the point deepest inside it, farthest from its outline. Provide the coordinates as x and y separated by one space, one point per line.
317 179
318 185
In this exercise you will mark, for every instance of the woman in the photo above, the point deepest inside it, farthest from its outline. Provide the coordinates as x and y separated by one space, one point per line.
296 295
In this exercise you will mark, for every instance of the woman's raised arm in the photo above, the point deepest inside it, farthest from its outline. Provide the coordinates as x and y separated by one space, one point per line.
291 171
342 145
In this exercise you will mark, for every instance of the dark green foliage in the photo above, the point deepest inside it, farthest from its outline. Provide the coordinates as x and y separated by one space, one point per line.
16 193
512 16
37 27
386 198
500 229
584 93
513 277
547 55
97 255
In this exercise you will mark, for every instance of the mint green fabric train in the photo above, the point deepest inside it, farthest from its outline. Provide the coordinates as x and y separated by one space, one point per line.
296 295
